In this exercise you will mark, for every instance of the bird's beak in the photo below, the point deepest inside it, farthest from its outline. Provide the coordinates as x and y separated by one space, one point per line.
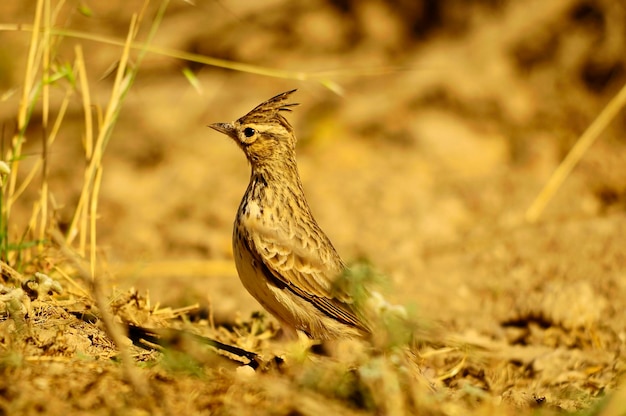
226 128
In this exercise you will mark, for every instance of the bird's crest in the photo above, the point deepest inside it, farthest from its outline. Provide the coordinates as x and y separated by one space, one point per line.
269 111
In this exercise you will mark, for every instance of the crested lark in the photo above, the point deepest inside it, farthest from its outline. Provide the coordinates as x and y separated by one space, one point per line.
283 257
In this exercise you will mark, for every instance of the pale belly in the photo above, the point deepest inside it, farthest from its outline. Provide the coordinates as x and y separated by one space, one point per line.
257 284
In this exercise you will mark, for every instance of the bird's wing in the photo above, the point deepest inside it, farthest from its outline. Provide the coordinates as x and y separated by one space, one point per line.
306 263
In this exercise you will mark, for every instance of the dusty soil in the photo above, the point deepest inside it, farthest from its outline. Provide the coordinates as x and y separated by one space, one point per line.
450 118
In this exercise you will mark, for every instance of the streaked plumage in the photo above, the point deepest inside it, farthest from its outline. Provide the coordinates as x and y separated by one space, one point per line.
283 257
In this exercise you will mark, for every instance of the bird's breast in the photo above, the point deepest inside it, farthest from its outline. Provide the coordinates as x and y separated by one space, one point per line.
252 210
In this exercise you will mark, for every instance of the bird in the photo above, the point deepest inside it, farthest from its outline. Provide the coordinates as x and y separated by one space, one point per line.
283 258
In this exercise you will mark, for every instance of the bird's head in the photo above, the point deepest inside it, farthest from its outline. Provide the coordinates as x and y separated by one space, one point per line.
264 134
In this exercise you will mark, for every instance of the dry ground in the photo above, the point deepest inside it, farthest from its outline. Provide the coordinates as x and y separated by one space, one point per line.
451 117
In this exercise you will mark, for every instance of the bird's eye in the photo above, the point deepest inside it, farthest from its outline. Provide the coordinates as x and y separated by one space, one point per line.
248 132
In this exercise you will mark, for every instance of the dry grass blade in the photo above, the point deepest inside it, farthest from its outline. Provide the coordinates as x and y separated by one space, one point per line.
575 155
114 330
22 116
29 93
79 289
323 77
120 86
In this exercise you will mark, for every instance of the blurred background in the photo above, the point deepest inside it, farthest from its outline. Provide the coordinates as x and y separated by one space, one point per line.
426 129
